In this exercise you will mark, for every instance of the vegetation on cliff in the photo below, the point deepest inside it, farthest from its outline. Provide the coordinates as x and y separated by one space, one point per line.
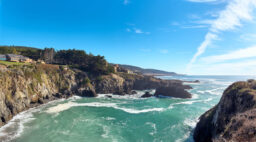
95 65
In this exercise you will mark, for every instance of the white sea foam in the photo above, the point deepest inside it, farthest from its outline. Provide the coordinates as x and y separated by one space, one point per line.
60 107
134 111
153 125
190 102
134 96
15 127
195 96
106 132
66 106
215 91
190 123
110 118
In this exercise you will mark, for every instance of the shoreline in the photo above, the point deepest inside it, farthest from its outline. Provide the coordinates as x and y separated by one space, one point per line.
25 116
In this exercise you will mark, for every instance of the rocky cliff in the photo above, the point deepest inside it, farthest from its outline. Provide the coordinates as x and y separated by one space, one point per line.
233 118
27 85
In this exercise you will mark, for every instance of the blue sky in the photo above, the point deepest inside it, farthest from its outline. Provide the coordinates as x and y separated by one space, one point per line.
186 36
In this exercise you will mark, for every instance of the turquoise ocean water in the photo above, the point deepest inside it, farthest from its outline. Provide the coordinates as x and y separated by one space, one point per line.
121 118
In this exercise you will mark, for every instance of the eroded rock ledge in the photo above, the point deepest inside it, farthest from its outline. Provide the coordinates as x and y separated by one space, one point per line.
233 118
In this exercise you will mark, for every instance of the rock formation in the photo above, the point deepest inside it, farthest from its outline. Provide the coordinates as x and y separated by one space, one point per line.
172 91
147 95
26 86
233 118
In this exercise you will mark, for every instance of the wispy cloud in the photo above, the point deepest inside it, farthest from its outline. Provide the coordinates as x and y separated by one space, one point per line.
175 23
126 2
238 54
228 19
207 1
136 30
202 0
194 26
145 50
164 51
248 37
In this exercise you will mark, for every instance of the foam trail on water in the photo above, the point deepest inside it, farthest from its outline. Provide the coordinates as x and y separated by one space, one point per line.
66 106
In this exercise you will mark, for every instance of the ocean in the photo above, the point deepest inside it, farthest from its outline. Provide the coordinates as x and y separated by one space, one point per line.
120 118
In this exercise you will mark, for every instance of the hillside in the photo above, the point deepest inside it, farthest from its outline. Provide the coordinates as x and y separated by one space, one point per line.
149 71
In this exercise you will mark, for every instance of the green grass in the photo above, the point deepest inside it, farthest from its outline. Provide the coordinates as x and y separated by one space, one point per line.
7 63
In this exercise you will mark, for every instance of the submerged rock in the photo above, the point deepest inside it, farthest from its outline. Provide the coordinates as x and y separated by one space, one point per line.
233 119
147 95
133 92
172 91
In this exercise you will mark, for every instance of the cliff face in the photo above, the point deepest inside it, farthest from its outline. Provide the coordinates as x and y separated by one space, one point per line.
233 118
22 87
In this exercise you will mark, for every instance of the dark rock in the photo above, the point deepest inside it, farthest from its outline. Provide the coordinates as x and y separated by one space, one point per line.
146 95
40 101
87 92
108 96
133 92
196 81
172 91
231 119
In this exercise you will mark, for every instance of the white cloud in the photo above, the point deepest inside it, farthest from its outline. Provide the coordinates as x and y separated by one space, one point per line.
238 54
126 2
248 37
138 31
206 22
235 12
208 39
203 0
175 23
194 26
164 51
145 50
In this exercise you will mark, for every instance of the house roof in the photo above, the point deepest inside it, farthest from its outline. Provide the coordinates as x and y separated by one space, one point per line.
2 56
16 56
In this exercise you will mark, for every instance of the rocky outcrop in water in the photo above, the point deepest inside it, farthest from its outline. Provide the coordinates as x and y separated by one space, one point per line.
122 84
172 91
233 118
147 95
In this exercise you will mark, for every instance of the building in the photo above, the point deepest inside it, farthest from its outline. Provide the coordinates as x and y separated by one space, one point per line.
116 68
18 58
3 57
